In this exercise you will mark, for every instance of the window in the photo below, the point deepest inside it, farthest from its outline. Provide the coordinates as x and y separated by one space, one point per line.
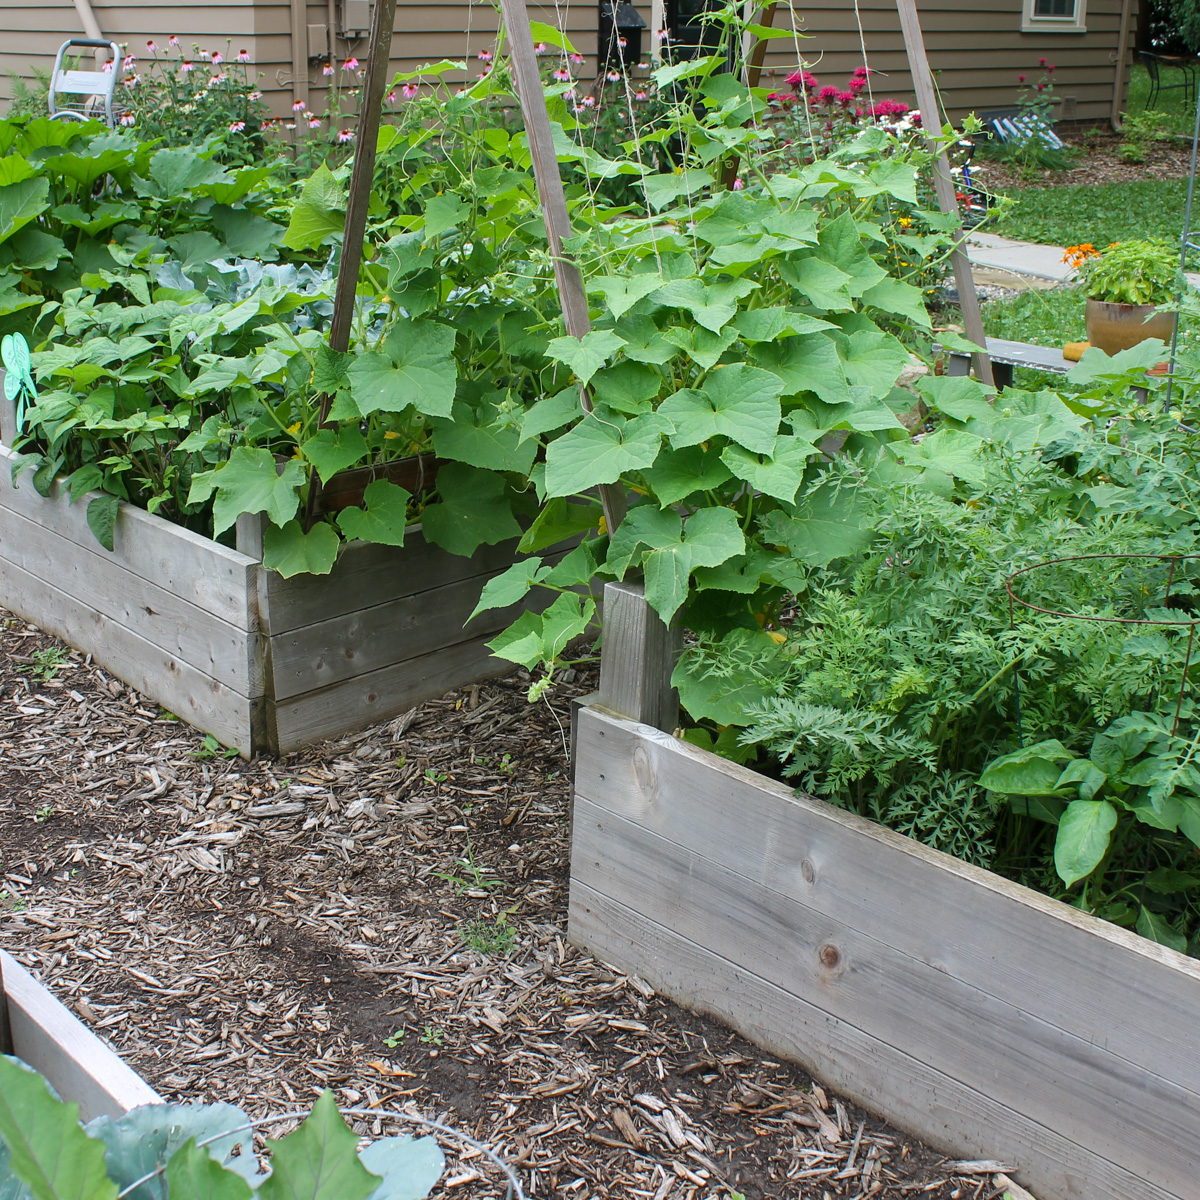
1053 16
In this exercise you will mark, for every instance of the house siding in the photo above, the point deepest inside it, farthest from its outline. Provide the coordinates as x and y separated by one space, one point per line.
976 56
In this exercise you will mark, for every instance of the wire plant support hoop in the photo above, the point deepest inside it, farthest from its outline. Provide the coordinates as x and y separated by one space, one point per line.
1173 559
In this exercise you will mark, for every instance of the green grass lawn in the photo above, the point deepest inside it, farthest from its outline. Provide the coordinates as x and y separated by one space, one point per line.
1043 318
1171 102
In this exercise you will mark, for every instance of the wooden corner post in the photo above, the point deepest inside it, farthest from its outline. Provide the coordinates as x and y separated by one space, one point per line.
637 657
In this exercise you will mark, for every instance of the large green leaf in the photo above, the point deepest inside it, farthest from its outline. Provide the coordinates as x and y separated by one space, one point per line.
806 363
290 551
416 366
737 402
1157 928
47 1147
444 211
318 1161
21 203
509 586
622 292
1084 832
474 510
385 517
177 172
541 637
712 305
248 483
476 437
585 355
1031 771
677 474
333 450
842 244
192 1173
627 387
777 474
102 518
319 214
701 345
600 449
409 1166
903 299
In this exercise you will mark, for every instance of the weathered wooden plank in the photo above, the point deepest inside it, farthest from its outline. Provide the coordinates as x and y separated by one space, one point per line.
379 695
367 574
994 951
6 1046
948 1116
198 698
100 580
637 657
981 1042
370 639
195 568
78 1065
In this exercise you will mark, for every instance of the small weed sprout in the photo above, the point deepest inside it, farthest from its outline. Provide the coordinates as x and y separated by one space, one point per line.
48 662
211 748
11 903
44 813
431 1035
396 1038
491 938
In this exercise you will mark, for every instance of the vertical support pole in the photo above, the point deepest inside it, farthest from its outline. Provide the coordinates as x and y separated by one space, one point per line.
636 659
528 79
6 1042
300 52
1114 116
943 184
8 417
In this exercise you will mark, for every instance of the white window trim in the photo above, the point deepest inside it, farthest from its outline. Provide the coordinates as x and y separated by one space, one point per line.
1036 24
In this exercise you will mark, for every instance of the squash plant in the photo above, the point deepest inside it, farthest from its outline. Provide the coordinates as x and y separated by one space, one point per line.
193 1150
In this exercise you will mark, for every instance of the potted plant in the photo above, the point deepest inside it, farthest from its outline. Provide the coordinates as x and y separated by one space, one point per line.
1125 283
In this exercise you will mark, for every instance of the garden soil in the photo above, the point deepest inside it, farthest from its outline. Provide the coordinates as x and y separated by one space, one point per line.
385 916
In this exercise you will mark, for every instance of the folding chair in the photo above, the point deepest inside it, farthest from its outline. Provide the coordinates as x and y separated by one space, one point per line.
86 92
1154 64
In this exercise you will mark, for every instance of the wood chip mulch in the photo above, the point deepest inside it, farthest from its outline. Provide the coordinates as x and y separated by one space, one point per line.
385 916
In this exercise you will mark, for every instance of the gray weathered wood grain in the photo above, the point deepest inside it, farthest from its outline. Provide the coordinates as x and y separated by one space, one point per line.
198 570
950 1117
380 695
101 580
197 698
637 657
78 1065
1012 995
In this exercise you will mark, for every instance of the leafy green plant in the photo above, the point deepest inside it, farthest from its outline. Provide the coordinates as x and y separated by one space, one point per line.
211 748
193 1149
1139 130
1136 272
48 661
395 1038
492 938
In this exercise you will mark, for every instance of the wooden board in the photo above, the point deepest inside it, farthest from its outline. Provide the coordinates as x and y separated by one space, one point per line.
189 693
78 1065
637 656
379 695
1041 1035
195 568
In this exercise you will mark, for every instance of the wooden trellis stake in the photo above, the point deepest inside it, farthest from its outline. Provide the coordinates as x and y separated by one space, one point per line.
943 184
571 292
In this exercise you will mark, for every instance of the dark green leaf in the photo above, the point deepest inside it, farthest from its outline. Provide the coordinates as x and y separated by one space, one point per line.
191 1172
1084 832
102 519
474 510
385 519
291 551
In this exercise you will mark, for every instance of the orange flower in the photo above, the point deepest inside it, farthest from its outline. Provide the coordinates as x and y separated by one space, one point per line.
1076 256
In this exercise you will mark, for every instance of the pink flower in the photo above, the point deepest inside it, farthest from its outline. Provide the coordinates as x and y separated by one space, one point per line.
577 59
236 126
217 58
640 95
1020 78
172 41
643 66
254 95
314 122
827 93
1041 87
589 102
1049 66
409 90
390 98
151 47
243 56
108 67
185 67
570 94
133 81
738 184
345 135
127 119
541 48
1041 62
857 84
663 35
327 70
128 61
613 76
351 64
484 56
221 78
562 75
578 109
845 99
803 80
299 106
860 73
622 42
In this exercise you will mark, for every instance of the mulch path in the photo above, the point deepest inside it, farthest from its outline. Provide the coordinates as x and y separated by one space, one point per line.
1099 163
385 916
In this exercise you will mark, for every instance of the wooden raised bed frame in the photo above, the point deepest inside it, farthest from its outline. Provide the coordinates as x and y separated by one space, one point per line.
42 1032
979 1015
259 661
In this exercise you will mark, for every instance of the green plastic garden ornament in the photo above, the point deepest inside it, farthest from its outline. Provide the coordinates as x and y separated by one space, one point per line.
18 381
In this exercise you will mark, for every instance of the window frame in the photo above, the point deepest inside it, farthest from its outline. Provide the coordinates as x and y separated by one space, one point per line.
1032 23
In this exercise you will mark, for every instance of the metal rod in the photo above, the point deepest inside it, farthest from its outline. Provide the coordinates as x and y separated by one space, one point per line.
1184 245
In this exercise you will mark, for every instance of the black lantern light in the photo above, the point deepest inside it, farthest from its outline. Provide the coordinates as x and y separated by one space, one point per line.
619 37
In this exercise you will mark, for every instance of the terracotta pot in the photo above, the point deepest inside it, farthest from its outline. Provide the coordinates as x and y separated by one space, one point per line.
1115 327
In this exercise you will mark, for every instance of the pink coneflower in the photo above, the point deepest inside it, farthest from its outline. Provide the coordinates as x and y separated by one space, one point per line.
351 64
409 90
738 184
108 67
217 58
541 48
390 98
327 70
128 61
186 66
151 47
613 77
643 66
254 95
345 135
663 35
562 75
172 41
640 95
578 109
570 94
299 106
484 56
133 81
221 78
589 102
128 119
314 122
236 126
622 42
243 56
290 125
577 59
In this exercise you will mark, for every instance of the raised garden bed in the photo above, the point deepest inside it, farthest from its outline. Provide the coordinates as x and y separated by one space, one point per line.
987 1019
259 661
77 1064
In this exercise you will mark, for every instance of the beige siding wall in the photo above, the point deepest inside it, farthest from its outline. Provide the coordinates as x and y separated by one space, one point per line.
977 55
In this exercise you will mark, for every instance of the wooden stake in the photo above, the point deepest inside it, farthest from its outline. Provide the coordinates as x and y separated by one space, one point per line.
943 183
571 292
754 61
6 1042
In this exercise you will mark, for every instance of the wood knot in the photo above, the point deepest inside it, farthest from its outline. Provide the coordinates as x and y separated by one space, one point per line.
806 871
830 956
